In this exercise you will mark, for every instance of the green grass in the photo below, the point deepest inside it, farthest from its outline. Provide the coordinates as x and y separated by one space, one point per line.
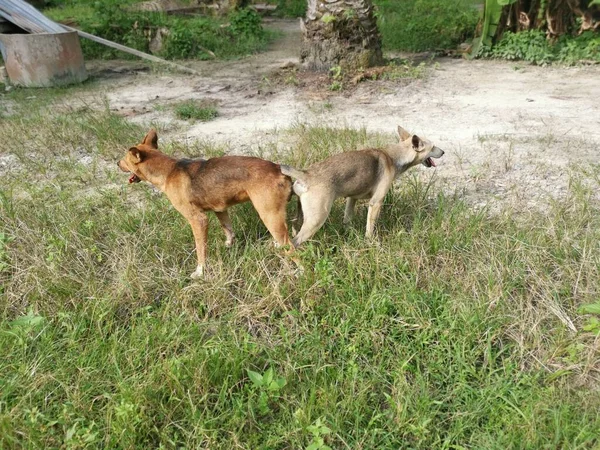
425 25
191 109
450 330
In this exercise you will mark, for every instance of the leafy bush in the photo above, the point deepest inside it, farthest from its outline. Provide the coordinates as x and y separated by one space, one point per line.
186 38
527 45
245 22
532 46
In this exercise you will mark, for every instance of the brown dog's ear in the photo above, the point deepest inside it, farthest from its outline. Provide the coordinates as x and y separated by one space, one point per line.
151 139
137 154
416 142
402 133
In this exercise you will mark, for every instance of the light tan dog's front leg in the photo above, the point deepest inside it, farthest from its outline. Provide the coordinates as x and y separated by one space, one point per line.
372 215
377 201
199 223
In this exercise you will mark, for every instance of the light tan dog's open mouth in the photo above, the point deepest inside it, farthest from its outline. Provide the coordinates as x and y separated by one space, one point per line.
429 162
134 178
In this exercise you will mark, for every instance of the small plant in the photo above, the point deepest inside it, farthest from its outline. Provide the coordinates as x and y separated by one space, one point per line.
318 431
337 75
267 387
593 324
198 111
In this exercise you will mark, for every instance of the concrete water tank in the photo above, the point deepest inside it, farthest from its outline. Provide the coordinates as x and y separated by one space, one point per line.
44 59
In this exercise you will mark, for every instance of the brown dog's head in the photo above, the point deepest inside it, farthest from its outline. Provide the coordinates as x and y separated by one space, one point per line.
137 155
425 150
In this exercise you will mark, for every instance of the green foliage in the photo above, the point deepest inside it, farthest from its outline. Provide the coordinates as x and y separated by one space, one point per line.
420 25
186 38
533 46
196 110
245 22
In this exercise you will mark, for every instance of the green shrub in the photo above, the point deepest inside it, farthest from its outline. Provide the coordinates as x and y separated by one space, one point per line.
245 22
528 46
534 47
186 38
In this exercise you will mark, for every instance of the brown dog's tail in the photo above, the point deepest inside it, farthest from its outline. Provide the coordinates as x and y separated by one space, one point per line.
291 172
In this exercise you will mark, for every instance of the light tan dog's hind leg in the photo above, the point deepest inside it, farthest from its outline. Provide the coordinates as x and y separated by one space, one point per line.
225 222
349 211
316 208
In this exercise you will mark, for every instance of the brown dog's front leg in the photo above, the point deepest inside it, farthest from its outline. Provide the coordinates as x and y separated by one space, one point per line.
199 223
225 221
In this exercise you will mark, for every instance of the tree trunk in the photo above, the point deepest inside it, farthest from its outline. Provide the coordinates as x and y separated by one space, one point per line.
340 33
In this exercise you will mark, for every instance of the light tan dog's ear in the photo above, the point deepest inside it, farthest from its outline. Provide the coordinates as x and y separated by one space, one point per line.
402 133
151 139
137 154
416 143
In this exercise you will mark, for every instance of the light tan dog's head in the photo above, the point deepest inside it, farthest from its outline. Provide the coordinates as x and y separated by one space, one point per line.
424 150
135 157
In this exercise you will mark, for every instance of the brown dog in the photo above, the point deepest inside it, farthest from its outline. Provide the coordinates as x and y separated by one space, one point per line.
197 186
363 174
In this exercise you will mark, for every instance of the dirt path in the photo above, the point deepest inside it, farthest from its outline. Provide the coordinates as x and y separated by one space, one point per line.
510 130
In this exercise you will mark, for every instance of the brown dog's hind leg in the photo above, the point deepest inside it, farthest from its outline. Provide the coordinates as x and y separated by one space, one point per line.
199 224
272 211
225 221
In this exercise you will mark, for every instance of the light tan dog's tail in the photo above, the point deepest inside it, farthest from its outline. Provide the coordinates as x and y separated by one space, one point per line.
291 172
300 186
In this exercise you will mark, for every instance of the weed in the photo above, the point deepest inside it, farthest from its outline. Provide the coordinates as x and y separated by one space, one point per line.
318 431
265 389
191 109
337 76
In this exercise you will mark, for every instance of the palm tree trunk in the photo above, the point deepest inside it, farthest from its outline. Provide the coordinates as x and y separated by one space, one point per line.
340 33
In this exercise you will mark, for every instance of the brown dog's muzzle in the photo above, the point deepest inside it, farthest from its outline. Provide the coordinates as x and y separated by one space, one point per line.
133 178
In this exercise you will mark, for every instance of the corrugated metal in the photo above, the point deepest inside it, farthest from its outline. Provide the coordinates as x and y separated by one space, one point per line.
27 17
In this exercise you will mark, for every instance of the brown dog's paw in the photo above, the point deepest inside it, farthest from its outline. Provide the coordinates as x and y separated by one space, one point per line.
198 273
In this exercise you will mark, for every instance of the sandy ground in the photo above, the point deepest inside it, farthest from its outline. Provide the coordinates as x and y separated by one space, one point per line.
511 131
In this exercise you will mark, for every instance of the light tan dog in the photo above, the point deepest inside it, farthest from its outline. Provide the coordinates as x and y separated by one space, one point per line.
197 186
356 175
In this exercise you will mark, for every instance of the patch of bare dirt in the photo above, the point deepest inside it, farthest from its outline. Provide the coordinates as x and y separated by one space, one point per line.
511 131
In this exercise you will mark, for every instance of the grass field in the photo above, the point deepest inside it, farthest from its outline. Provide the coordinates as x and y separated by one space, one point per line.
454 328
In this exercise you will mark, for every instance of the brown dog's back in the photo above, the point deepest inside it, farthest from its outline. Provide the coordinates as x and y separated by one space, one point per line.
235 179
